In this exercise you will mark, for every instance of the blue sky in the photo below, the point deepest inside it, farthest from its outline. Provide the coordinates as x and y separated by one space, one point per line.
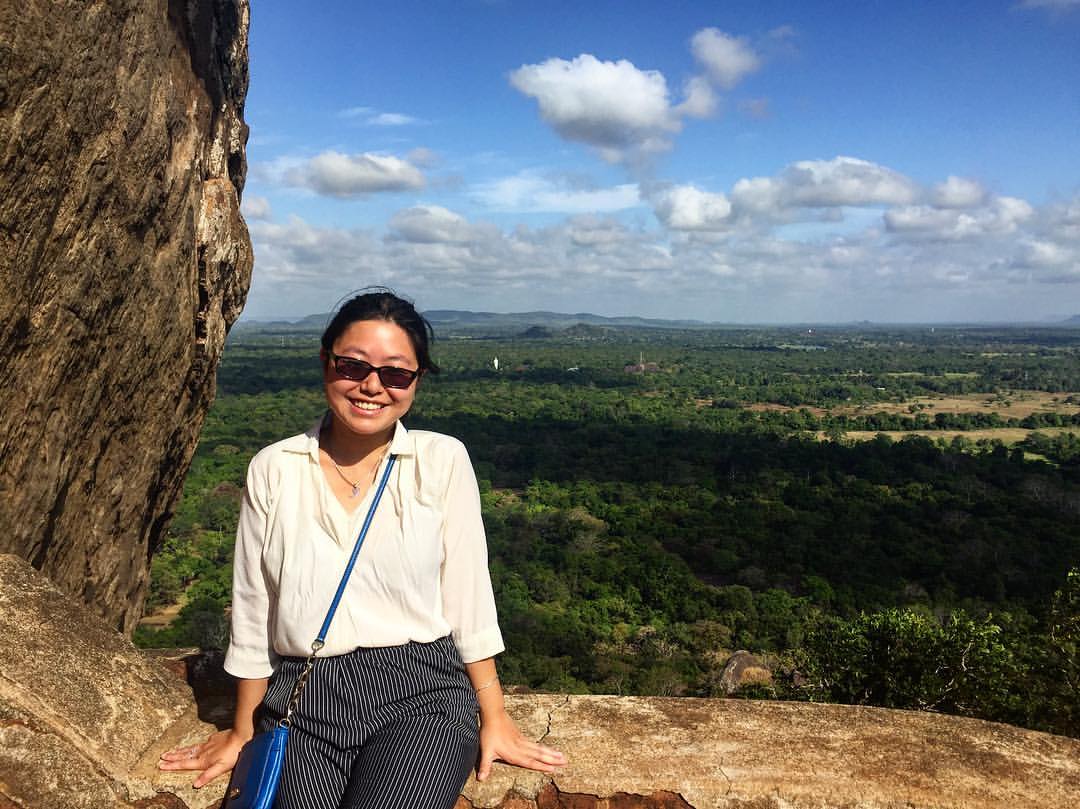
725 161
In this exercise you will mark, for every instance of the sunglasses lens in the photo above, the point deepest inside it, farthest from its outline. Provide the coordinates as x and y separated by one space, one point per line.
352 369
396 377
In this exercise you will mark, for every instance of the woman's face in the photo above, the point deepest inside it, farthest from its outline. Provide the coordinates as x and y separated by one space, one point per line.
365 406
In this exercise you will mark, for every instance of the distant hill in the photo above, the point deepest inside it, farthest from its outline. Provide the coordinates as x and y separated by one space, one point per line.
458 320
543 323
551 320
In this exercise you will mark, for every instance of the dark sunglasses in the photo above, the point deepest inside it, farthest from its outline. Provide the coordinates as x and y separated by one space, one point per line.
389 375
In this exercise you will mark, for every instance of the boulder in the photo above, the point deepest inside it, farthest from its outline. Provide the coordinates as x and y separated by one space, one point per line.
123 262
83 713
638 752
743 668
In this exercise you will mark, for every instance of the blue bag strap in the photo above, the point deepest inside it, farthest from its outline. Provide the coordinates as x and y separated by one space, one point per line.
319 641
355 553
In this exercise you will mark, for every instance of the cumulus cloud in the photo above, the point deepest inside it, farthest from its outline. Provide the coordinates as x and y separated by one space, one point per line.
254 207
627 113
430 224
613 106
1061 220
592 231
958 192
529 192
685 207
821 184
806 191
845 181
1000 215
921 253
701 101
1036 253
297 254
727 59
929 220
334 174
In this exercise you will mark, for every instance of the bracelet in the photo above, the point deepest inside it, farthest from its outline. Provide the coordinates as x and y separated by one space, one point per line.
488 684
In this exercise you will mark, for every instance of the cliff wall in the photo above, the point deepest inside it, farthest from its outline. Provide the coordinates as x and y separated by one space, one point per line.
84 716
123 262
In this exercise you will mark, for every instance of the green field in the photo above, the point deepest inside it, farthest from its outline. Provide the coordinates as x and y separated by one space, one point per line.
645 521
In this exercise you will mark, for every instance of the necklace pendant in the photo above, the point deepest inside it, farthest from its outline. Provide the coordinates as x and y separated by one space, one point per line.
355 491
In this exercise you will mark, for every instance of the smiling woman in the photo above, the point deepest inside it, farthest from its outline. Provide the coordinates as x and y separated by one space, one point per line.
388 715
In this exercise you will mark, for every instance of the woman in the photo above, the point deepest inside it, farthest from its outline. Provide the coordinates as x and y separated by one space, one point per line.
388 717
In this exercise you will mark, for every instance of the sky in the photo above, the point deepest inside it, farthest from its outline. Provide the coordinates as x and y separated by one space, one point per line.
733 162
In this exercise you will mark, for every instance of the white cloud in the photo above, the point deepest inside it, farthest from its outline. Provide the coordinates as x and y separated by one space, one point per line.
429 224
958 192
726 59
589 230
254 207
758 195
1061 220
298 254
816 184
613 106
372 117
392 119
1053 5
701 101
1000 215
528 192
918 219
1006 213
845 181
917 261
1036 253
334 174
685 207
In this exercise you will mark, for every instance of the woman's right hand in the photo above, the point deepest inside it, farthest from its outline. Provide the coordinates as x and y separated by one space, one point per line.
215 756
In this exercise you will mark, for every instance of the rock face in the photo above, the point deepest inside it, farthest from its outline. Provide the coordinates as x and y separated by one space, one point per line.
84 716
742 669
638 752
123 262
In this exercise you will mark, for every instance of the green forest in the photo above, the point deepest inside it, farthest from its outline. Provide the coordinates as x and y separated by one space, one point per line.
885 516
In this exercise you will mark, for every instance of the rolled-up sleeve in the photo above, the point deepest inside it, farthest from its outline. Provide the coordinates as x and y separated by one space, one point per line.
467 599
250 654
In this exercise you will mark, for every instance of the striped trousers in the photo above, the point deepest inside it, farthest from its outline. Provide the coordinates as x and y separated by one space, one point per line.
378 728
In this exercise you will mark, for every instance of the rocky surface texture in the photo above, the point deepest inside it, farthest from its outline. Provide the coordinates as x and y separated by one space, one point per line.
123 261
84 716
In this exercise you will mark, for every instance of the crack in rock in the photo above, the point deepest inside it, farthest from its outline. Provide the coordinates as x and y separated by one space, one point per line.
550 716
720 770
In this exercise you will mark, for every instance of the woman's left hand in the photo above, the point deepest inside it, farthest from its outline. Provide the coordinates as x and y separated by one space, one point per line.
500 739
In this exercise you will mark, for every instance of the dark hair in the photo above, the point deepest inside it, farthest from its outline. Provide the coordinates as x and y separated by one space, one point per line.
383 304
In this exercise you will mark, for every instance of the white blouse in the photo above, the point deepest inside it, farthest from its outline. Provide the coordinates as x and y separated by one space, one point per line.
421 573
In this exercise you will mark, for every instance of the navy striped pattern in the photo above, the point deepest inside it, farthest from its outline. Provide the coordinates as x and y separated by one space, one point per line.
379 728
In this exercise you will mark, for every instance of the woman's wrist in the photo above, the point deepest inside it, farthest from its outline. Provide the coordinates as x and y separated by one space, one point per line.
243 734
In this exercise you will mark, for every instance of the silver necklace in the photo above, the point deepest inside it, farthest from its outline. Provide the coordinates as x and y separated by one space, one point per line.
356 485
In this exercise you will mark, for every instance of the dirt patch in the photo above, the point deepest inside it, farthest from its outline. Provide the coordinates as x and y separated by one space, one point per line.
1017 404
1006 435
163 617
